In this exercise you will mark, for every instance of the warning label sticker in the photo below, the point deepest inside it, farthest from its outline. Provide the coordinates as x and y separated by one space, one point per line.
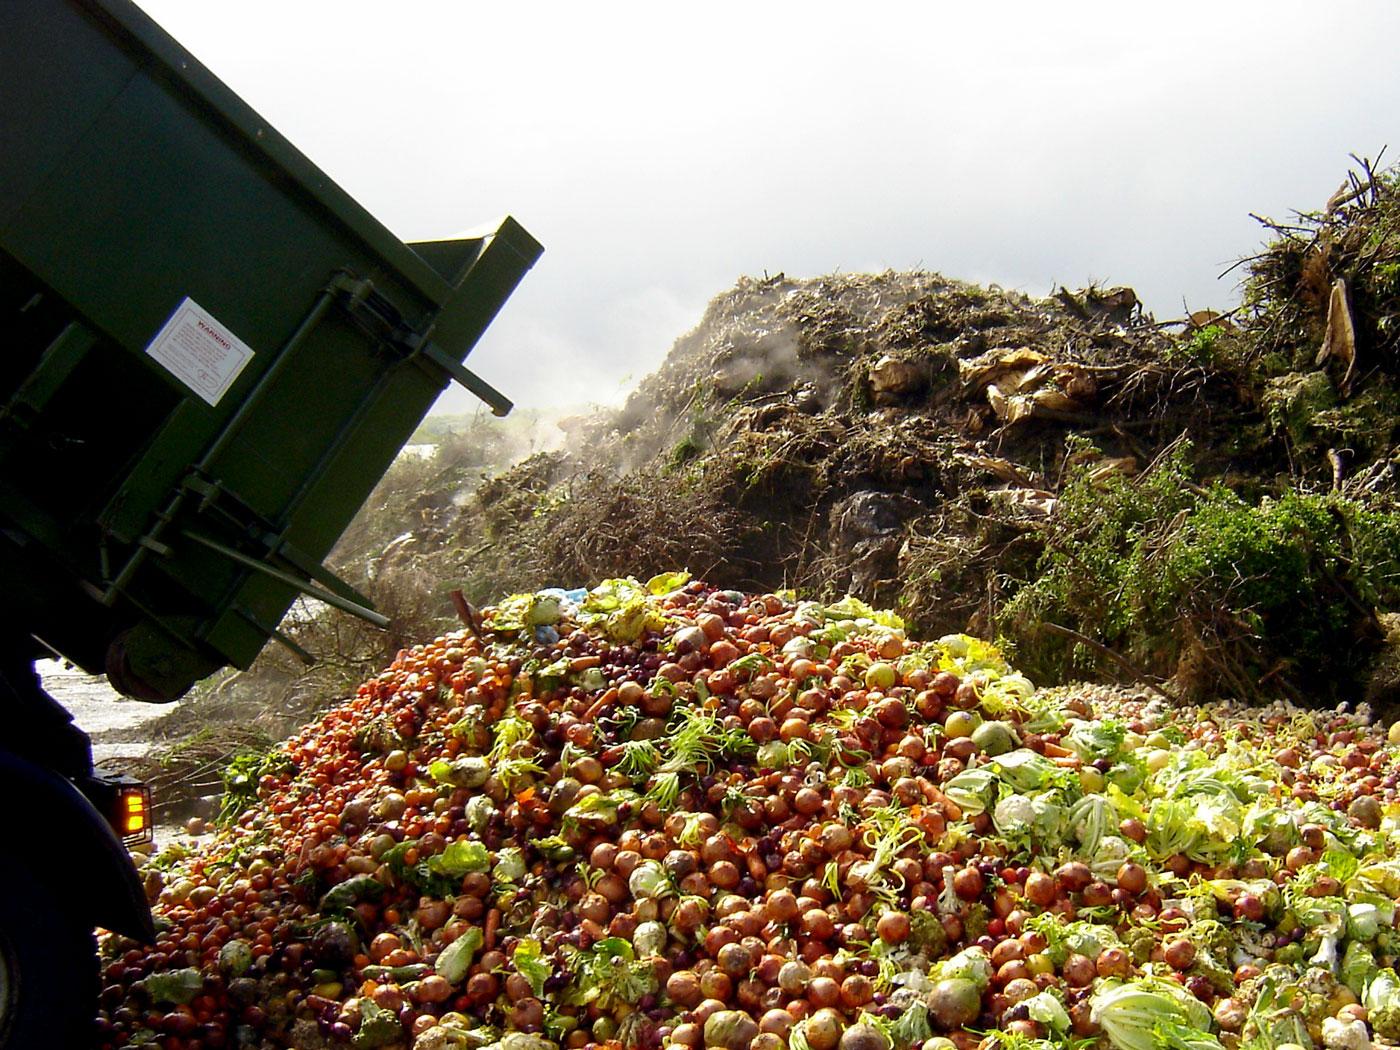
199 351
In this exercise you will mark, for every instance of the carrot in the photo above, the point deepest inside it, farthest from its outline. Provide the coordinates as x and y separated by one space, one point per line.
600 705
493 923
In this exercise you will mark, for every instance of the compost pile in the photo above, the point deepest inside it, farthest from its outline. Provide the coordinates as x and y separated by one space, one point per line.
664 814
989 462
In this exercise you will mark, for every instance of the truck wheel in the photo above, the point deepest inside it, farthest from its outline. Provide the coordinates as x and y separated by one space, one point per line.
48 968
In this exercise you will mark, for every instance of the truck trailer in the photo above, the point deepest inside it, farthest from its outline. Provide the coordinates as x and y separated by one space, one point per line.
211 354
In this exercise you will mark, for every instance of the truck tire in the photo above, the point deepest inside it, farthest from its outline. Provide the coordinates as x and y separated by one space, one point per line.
48 968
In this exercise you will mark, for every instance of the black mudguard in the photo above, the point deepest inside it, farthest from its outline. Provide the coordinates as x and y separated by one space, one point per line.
59 835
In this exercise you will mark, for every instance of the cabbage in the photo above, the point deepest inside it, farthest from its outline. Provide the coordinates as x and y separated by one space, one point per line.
236 957
510 865
479 812
1364 919
1049 1011
972 790
511 612
667 582
623 608
1341 864
963 654
1382 1002
1358 967
971 964
1025 770
1152 1015
1271 829
1039 821
1200 826
546 609
853 609
773 755
995 738
178 986
650 880
1109 857
649 939
1089 819
1097 740
1089 939
1005 692
1220 819
1173 1036
469 772
911 1028
1064 939
1051 820
1128 774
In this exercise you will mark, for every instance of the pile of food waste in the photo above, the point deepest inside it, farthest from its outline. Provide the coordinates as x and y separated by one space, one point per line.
664 815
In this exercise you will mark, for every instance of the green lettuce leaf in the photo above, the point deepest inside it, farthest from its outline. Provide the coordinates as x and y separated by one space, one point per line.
667 582
532 965
460 858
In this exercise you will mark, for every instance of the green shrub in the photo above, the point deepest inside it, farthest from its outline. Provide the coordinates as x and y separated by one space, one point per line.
1257 598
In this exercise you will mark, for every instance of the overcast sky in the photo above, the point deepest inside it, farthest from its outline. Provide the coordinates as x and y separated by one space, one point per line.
660 151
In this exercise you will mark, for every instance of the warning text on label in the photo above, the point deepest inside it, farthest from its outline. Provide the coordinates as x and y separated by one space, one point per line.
199 351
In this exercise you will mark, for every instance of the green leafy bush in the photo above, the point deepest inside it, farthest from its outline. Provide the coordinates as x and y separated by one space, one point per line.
1231 596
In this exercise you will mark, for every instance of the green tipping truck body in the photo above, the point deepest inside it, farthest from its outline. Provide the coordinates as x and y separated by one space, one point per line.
211 354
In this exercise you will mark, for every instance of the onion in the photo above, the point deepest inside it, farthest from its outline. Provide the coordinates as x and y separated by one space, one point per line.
823 992
856 991
1040 889
717 985
864 1036
823 1030
893 927
1079 971
1114 962
1074 876
730 1030
776 1021
968 883
1179 954
735 960
1132 877
794 977
1231 1014
683 987
706 1009
954 1003
782 906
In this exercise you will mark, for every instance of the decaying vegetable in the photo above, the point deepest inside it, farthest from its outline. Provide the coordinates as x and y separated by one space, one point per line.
658 814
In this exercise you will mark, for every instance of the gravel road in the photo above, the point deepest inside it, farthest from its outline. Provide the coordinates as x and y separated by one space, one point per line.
99 708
